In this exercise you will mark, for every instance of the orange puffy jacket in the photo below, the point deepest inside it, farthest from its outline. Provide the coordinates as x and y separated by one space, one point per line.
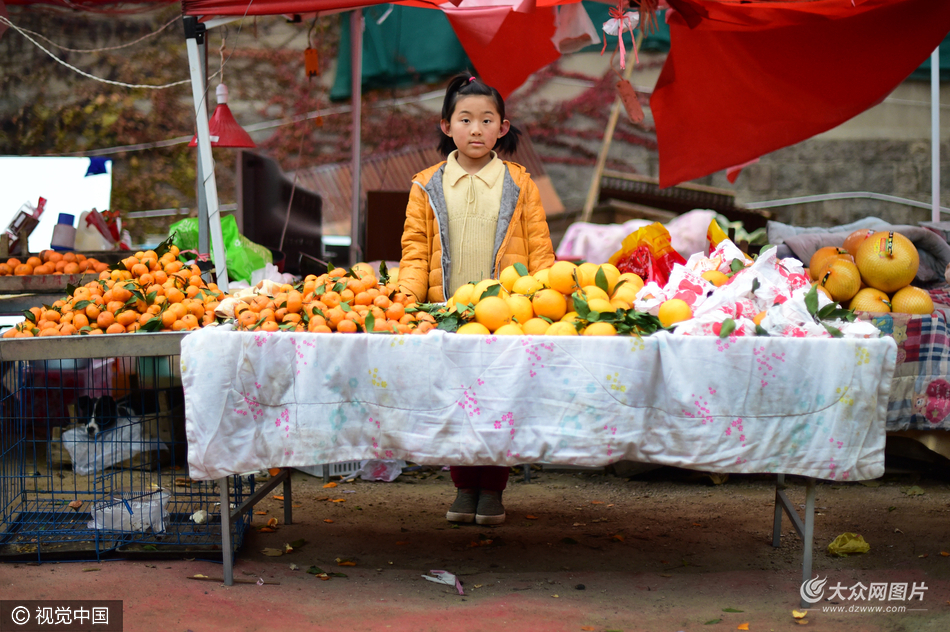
522 235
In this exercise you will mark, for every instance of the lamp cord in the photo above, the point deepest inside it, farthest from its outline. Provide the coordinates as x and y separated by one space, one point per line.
292 190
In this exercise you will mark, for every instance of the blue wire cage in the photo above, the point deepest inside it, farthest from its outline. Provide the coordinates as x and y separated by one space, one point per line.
93 455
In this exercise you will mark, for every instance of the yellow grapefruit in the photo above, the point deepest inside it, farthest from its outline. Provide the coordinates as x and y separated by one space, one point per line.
561 328
870 300
600 329
715 277
561 277
526 285
592 291
912 300
493 312
818 260
473 328
481 286
521 309
511 329
463 294
840 278
853 241
888 261
549 303
542 275
508 277
536 327
674 311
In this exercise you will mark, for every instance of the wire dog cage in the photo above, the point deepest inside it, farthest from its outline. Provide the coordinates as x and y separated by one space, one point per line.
93 455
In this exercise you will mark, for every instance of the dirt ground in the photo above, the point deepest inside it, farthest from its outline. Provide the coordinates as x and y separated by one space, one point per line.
666 550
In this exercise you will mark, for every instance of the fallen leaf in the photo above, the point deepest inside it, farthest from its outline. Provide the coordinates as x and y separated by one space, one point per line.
555 596
696 524
269 552
278 497
898 531
480 585
713 621
343 561
530 517
260 513
798 614
91 570
610 505
75 505
314 570
580 524
200 576
323 577
732 610
328 520
743 626
297 505
338 500
618 537
272 522
924 555
913 491
802 622
944 553
329 485
266 530
597 502
402 542
288 548
337 574
324 498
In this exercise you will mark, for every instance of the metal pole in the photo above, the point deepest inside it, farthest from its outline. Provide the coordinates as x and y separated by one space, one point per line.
935 134
809 536
356 57
195 31
203 239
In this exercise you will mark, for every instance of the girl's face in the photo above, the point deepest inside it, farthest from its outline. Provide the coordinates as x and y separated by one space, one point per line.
475 127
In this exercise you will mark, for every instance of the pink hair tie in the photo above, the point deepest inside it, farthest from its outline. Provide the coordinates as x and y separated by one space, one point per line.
471 79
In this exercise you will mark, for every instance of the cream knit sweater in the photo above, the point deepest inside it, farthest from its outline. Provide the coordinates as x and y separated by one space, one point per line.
473 203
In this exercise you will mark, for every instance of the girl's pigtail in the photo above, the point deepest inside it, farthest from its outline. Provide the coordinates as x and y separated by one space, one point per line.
508 143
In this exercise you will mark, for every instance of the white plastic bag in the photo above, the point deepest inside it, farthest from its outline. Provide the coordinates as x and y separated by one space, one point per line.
386 470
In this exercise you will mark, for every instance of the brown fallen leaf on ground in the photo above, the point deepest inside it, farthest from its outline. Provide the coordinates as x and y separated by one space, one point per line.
328 520
329 485
75 505
587 628
944 553
278 497
530 517
342 561
338 500
272 522
597 502
266 530
743 626
260 513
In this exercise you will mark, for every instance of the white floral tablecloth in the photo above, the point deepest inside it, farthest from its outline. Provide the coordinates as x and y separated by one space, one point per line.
806 406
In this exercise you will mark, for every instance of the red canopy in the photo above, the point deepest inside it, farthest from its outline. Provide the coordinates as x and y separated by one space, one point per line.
743 79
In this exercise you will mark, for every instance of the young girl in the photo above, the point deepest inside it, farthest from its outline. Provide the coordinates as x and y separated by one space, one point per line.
469 217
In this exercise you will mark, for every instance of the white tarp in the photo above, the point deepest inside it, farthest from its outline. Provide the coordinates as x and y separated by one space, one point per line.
807 406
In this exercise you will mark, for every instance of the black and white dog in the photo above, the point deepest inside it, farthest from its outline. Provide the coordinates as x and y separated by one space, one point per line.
98 414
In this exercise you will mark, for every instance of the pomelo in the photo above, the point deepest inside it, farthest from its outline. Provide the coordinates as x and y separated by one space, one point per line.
888 261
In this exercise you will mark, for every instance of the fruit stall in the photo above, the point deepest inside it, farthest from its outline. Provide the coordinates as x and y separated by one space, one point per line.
723 362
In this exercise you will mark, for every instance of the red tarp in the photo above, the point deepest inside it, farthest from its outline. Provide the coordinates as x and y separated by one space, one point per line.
743 79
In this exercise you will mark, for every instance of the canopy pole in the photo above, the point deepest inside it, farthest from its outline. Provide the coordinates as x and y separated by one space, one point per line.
203 237
935 134
594 190
356 57
195 35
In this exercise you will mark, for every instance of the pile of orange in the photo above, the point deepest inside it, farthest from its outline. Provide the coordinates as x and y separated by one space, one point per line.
151 293
52 262
339 301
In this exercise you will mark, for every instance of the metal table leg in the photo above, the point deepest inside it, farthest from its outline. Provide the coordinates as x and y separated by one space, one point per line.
288 500
808 537
227 554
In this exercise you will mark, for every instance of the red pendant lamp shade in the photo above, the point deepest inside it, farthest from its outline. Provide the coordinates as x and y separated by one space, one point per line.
225 131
